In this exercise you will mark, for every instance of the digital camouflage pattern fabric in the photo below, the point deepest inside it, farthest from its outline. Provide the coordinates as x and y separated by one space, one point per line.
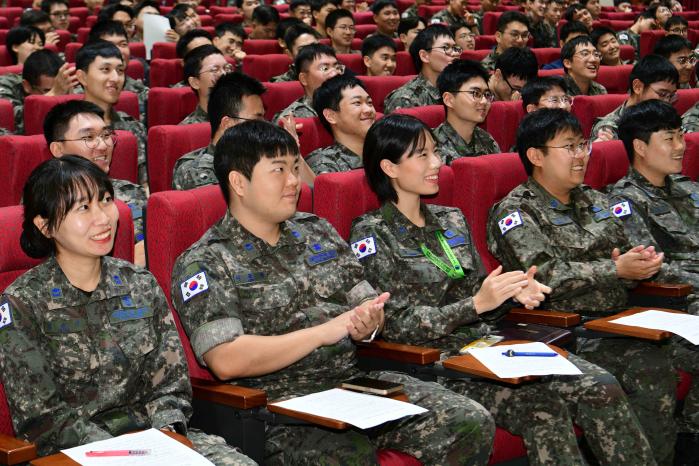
289 75
195 169
574 90
197 116
299 108
134 196
126 122
141 90
489 61
333 159
11 89
690 119
89 366
451 146
544 34
627 37
447 17
415 93
308 277
610 122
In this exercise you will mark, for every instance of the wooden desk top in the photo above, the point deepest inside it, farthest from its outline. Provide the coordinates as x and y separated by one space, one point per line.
468 364
60 459
604 325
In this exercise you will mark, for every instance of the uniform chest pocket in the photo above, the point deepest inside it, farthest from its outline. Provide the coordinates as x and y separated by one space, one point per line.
265 296
419 271
69 344
133 331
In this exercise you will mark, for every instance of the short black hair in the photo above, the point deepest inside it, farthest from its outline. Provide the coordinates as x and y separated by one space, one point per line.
193 60
676 20
535 88
389 138
243 146
329 95
671 43
46 4
109 11
226 97
145 3
178 13
19 35
572 27
647 14
99 48
373 43
335 15
295 31
569 48
265 14
645 118
309 54
569 14
457 73
297 3
34 18
653 69
235 29
106 27
57 120
411 22
538 128
184 41
511 17
317 5
379 5
43 62
598 32
425 39
519 62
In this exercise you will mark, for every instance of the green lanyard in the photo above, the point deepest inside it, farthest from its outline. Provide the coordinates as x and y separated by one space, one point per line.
454 271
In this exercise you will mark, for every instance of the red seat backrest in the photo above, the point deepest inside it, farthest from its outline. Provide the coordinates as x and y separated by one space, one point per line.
364 30
342 197
261 46
404 65
279 96
690 164
587 108
11 13
138 50
502 122
353 62
627 53
163 50
80 12
363 17
166 144
476 55
686 98
165 72
608 164
428 11
619 25
5 59
37 106
431 115
169 106
485 41
265 67
490 21
227 18
83 34
554 72
615 78
546 55
313 135
379 87
226 10
618 16
135 69
649 39
7 116
11 69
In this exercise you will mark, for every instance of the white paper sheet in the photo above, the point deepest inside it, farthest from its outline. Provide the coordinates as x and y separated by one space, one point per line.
684 325
163 451
154 28
358 409
520 366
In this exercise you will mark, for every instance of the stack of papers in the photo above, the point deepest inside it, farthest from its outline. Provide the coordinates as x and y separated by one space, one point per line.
360 410
521 366
163 450
684 325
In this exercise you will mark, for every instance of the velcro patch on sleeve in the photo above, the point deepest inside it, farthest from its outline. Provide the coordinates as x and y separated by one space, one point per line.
509 222
5 315
364 247
621 209
194 285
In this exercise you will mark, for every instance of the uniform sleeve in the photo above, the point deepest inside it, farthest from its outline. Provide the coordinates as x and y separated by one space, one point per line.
405 321
39 413
635 224
690 120
181 178
603 123
320 164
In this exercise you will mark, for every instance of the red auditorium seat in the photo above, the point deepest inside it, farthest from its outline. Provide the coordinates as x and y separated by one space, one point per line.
163 50
265 67
690 164
80 12
279 96
490 22
608 164
379 87
168 143
554 72
615 78
588 108
404 64
618 16
261 46
686 98
546 55
364 30
627 53
502 122
83 34
11 69
222 10
312 135
476 55
648 40
7 116
431 115
169 106
19 155
165 72
618 25
37 106
353 62
12 14
227 18
5 59
363 17
428 11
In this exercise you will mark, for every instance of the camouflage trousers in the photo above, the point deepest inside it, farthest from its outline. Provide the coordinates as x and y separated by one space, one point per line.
455 431
216 450
543 413
647 372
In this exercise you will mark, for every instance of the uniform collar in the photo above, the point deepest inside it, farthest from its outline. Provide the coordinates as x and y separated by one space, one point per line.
404 229
671 187
577 196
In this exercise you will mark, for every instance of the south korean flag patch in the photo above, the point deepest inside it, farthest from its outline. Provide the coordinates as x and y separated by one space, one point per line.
193 286
621 209
364 247
509 222
5 315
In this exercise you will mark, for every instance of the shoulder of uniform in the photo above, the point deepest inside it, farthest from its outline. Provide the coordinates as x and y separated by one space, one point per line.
442 210
367 222
681 179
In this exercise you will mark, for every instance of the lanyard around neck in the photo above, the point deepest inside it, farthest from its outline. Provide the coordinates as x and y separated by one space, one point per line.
454 270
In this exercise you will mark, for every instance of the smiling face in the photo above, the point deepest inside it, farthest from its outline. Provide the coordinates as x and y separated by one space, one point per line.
387 20
343 32
27 47
228 43
557 168
60 18
515 34
464 106
103 81
417 171
85 125
585 62
662 155
356 113
609 47
381 63
684 62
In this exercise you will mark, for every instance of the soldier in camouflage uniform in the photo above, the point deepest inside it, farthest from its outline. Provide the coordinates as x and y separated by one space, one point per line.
581 62
632 36
652 77
576 241
345 109
463 86
543 32
203 66
295 37
690 119
437 45
91 350
234 98
197 116
456 14
298 297
512 31
77 127
428 307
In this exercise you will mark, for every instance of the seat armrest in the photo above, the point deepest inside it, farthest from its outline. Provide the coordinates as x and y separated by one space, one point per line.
15 451
397 352
544 317
227 394
662 289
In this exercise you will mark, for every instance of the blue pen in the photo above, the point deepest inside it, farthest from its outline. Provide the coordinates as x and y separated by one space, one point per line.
513 353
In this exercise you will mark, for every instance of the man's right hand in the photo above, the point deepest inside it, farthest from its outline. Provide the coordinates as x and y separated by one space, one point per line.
65 80
52 38
638 263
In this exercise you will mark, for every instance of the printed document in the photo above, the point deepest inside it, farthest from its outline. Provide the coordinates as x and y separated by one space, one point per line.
507 367
684 325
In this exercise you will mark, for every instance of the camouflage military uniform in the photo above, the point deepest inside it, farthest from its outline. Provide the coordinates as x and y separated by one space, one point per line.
489 61
415 93
134 196
690 119
179 84
410 12
124 121
300 108
309 277
197 116
451 146
610 122
571 245
447 17
89 366
573 89
544 34
11 89
141 90
627 37
289 75
195 169
332 159
429 308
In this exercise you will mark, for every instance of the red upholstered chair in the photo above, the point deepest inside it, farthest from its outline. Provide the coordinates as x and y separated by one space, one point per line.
502 122
163 50
12 14
619 25
313 135
431 115
556 72
427 11
476 55
80 12
4 24
265 67
490 22
485 42
37 106
404 64
608 164
166 144
649 39
135 69
364 30
546 55
83 34
5 59
617 15
353 62
627 52
169 106
587 108
686 98
7 116
227 18
261 46
11 69
165 72
379 87
363 17
138 50
279 96
615 78
218 10
690 164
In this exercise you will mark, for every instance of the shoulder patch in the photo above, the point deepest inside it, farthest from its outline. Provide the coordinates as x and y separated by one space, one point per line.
364 247
509 222
5 315
623 36
194 285
621 209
